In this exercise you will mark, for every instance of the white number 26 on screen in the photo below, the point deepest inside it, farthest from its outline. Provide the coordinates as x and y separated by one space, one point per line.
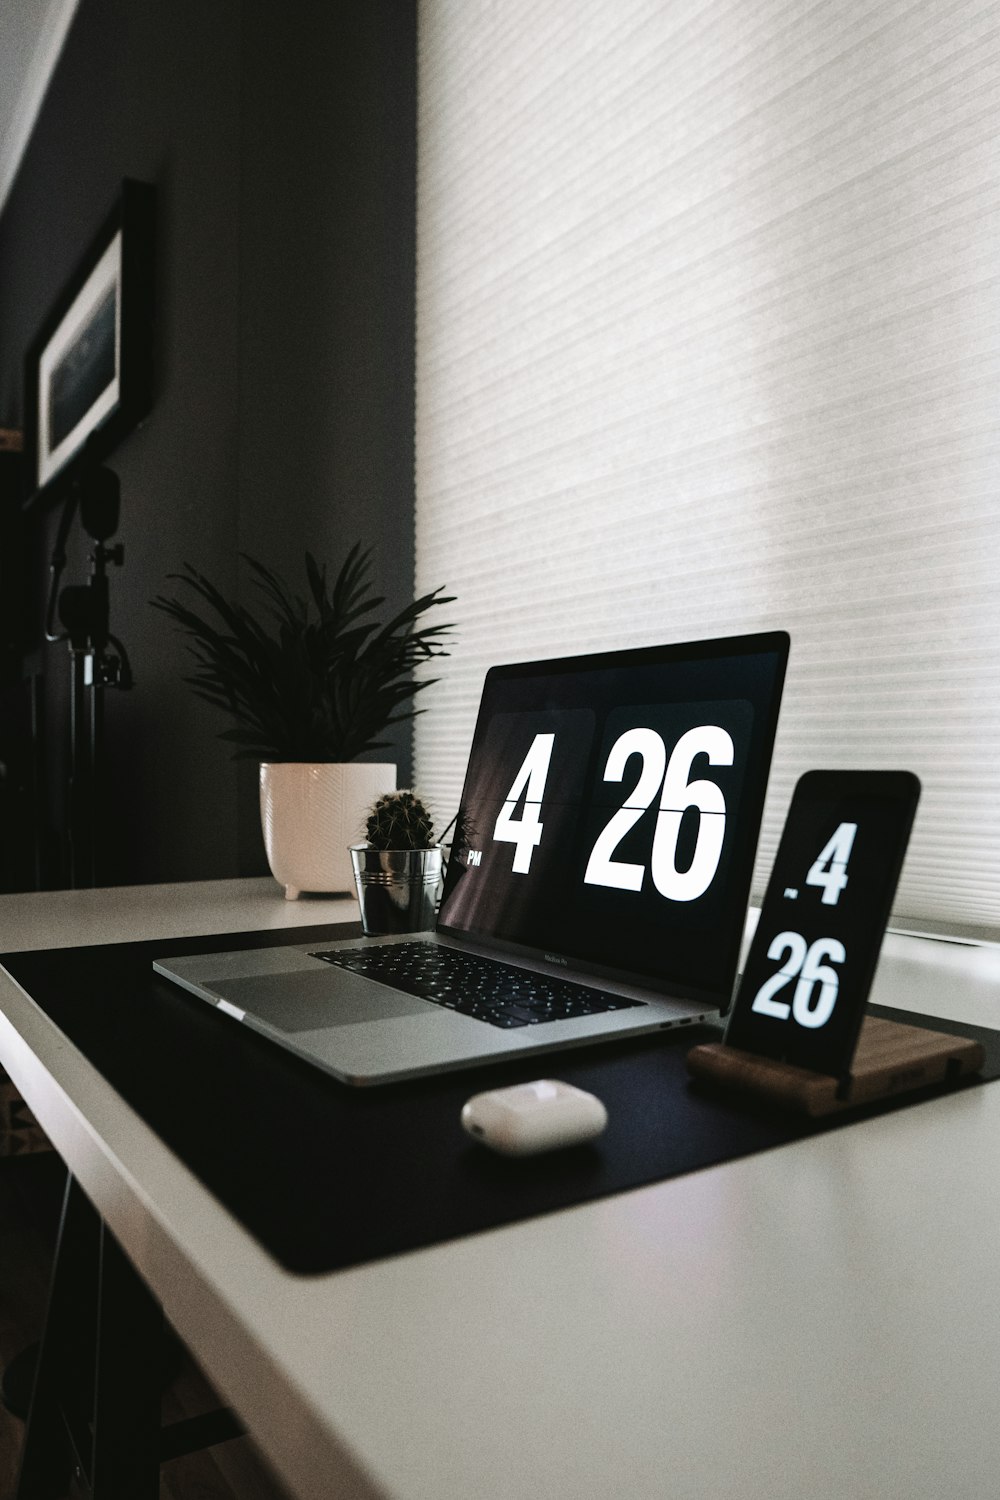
805 962
668 779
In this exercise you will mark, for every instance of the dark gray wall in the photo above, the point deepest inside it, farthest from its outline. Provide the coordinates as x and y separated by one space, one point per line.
281 143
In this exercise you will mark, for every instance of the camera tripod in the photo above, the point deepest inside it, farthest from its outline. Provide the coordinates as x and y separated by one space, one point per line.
84 614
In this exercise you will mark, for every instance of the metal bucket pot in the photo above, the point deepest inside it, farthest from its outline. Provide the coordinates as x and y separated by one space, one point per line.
398 889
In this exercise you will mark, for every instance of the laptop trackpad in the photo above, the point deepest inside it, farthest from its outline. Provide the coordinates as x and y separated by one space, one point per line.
308 1001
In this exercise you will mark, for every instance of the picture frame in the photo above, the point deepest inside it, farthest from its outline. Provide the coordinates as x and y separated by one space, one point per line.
88 371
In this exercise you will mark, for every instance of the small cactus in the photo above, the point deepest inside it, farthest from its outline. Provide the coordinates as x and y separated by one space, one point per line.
399 820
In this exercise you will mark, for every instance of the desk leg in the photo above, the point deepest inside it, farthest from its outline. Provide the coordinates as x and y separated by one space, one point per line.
126 1428
62 1370
95 1407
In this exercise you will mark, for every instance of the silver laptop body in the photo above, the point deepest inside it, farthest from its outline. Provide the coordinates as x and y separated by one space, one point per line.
604 845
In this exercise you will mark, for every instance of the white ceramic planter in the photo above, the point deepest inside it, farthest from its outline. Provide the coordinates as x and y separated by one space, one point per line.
311 813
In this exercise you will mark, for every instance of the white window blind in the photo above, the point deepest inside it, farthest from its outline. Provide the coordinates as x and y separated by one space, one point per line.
708 341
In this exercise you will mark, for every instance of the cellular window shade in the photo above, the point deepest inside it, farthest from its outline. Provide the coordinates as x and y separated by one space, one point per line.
708 341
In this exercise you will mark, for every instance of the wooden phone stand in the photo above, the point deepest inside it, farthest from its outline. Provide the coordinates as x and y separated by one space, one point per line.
890 1059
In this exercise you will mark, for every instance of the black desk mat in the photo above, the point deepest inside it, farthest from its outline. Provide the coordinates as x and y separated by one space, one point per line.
327 1176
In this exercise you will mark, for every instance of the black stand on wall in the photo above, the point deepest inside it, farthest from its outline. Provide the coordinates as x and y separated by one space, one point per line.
84 612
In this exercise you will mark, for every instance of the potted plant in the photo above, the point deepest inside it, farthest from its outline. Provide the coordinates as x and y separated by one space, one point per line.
398 870
310 687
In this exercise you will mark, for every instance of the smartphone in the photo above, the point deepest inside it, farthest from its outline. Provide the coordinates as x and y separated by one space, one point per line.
805 984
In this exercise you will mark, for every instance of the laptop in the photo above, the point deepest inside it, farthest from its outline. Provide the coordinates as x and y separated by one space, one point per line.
596 887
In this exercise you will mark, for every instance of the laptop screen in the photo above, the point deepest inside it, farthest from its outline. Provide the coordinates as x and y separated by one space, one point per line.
611 810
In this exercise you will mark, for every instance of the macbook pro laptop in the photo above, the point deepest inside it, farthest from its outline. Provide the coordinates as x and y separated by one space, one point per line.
597 883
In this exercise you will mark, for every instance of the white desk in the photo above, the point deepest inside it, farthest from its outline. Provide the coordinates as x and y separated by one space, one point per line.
819 1320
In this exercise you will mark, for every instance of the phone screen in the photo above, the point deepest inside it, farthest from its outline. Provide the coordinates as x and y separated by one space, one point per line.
812 959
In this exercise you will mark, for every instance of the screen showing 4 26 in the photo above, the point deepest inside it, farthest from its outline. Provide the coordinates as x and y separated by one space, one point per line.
810 966
608 822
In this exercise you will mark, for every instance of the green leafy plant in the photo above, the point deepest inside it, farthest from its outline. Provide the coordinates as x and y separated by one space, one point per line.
320 679
399 820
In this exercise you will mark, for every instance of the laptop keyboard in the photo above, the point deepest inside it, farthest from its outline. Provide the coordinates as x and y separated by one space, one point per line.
497 993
